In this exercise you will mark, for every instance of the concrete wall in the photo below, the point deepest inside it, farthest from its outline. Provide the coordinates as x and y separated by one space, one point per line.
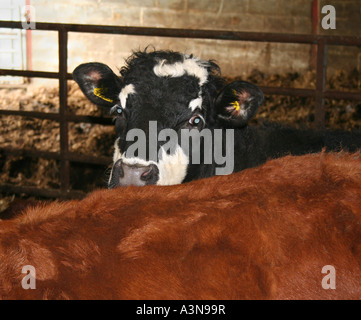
235 58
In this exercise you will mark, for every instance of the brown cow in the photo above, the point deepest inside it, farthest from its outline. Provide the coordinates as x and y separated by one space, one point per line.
264 233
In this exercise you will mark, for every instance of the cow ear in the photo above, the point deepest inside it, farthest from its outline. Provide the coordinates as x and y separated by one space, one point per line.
238 102
98 82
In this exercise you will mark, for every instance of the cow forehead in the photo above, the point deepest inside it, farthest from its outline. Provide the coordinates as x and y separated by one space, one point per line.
190 65
167 79
160 85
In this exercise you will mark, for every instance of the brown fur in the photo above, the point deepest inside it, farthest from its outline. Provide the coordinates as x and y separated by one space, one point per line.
264 233
16 207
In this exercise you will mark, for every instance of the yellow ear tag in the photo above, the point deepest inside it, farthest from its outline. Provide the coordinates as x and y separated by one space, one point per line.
235 105
99 92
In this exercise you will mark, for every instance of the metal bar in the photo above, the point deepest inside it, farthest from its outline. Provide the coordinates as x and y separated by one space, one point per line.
32 114
330 94
101 160
32 74
289 91
63 97
320 84
315 22
30 153
107 121
65 156
71 156
192 33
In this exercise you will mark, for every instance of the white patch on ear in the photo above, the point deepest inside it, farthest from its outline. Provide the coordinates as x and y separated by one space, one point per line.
172 168
123 95
192 66
243 112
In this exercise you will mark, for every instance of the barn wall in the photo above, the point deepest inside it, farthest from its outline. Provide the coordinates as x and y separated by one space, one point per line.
235 58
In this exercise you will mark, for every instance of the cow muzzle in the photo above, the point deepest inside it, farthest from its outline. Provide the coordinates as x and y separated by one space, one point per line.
124 174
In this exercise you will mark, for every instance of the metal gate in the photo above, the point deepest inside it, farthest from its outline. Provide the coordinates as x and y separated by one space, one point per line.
63 117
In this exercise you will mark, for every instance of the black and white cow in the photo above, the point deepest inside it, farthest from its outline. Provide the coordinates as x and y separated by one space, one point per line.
170 90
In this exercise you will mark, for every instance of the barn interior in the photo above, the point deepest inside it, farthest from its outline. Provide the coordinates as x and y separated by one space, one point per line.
55 144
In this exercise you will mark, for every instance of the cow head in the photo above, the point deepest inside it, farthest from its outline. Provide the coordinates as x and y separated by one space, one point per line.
169 90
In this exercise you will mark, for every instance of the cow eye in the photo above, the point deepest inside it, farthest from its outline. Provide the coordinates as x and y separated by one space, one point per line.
196 121
117 110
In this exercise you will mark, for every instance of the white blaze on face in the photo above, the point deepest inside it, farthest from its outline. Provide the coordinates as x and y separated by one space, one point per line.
191 66
172 168
123 95
196 103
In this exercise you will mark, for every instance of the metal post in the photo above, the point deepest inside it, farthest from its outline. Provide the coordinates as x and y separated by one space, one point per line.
63 97
320 83
315 23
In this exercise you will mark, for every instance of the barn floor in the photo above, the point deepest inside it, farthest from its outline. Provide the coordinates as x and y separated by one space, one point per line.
97 140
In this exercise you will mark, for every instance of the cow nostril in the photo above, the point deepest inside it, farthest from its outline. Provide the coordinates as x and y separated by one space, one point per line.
118 164
119 167
134 174
148 174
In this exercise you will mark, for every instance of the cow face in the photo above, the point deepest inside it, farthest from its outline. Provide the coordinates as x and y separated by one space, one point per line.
163 90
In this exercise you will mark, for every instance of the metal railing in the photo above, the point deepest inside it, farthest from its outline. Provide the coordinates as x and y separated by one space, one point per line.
65 156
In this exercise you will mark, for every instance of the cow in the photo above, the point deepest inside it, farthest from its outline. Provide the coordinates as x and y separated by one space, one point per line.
167 90
16 206
288 229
